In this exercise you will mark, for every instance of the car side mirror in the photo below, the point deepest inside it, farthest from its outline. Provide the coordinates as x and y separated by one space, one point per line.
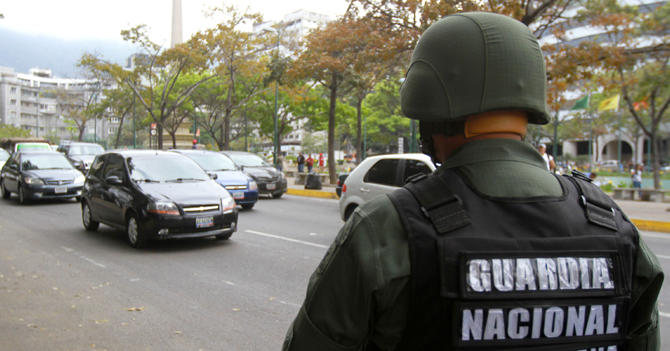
214 176
113 180
242 168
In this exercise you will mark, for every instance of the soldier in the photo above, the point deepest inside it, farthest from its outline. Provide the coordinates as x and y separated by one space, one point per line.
491 251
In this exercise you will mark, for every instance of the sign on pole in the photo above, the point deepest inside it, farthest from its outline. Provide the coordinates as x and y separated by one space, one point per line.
401 144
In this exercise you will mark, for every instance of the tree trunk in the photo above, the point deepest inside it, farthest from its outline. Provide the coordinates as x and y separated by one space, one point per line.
159 136
81 132
226 122
359 143
331 130
174 138
118 134
656 166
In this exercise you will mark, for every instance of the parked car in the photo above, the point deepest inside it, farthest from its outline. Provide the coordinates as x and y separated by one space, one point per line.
25 144
240 185
155 195
35 175
340 182
81 154
612 165
268 178
379 175
4 156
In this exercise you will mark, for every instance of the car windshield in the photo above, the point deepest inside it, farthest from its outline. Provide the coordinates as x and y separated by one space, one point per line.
86 150
35 146
4 155
163 168
214 162
249 160
34 162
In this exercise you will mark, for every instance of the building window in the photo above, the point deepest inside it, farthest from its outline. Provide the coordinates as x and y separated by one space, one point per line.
114 120
12 102
62 129
12 90
111 130
12 114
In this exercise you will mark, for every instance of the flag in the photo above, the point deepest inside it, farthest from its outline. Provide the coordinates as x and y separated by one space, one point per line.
198 132
609 104
581 104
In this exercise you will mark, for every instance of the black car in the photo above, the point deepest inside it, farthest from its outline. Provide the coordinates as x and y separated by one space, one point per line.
81 154
268 178
35 175
340 182
156 195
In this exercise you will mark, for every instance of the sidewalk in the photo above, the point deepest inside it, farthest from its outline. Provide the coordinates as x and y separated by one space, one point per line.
648 216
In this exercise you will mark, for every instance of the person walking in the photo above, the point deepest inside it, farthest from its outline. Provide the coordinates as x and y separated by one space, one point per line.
548 159
490 251
310 163
301 162
636 175
322 162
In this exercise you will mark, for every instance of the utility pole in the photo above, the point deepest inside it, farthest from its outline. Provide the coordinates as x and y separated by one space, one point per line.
134 136
37 114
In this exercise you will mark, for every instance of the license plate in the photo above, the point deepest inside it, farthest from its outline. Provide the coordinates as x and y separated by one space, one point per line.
204 222
271 186
237 195
60 190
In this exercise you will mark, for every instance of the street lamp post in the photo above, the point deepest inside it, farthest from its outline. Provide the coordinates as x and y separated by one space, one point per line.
276 151
134 134
365 136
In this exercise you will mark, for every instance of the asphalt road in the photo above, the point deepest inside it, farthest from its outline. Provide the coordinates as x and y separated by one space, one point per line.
62 288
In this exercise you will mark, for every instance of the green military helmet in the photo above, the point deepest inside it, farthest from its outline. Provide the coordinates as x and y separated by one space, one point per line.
471 63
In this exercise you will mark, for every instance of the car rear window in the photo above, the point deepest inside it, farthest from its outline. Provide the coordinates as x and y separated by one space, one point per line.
413 167
214 162
383 172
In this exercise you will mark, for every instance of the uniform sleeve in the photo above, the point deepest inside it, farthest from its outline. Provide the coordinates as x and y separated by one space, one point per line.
351 296
643 328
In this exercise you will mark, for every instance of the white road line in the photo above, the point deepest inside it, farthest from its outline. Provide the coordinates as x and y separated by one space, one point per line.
663 314
287 239
83 257
654 235
663 256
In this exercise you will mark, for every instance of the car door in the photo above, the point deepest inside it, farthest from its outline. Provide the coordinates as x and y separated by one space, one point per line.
381 178
93 186
11 172
110 206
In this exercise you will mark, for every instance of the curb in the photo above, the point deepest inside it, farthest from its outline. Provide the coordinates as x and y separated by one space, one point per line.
313 193
651 226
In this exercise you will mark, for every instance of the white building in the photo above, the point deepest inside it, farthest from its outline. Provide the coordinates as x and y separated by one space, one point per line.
29 101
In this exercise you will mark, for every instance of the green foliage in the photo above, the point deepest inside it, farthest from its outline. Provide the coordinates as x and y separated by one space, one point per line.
607 187
385 122
10 131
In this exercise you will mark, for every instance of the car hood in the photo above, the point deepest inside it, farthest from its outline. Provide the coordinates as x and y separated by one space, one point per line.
231 177
85 158
268 172
53 173
186 193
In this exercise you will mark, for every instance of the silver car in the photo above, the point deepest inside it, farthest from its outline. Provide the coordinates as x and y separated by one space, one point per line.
379 175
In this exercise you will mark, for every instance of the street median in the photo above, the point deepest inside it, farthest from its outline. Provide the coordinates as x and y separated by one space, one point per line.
651 226
313 193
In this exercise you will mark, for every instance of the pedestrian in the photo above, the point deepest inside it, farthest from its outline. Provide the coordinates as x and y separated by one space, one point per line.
195 144
636 175
551 164
301 162
490 251
280 162
310 163
322 162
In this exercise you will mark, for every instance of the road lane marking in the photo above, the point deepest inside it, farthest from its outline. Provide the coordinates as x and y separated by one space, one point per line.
287 239
663 256
663 314
654 235
67 249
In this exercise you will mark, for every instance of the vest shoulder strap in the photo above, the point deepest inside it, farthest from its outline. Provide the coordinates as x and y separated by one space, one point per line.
599 208
438 202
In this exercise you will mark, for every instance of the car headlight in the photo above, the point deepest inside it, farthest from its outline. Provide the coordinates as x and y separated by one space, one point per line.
79 180
252 185
33 181
228 204
164 208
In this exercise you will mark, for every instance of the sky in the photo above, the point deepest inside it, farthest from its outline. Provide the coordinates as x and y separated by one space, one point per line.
77 19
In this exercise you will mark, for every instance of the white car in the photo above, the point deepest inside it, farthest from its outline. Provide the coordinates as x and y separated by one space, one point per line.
379 175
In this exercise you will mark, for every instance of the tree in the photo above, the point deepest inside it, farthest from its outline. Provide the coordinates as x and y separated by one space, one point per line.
10 131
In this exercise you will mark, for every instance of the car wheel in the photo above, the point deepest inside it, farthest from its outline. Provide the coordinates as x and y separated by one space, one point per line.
247 206
5 193
223 236
348 212
22 196
87 218
277 195
134 233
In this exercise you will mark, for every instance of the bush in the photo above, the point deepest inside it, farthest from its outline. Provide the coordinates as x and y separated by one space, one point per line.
607 187
290 158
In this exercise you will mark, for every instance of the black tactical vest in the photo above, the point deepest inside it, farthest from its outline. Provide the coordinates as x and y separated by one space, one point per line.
543 273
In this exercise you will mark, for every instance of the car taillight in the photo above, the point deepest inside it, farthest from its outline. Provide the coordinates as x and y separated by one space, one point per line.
344 188
338 182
